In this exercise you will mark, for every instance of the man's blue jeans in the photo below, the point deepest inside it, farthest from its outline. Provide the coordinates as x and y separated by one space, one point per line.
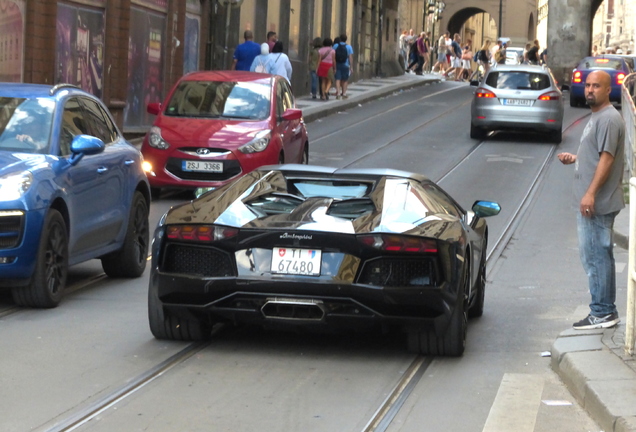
314 83
597 256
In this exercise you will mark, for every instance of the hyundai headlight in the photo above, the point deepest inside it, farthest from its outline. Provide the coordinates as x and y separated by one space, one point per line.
13 186
156 140
258 144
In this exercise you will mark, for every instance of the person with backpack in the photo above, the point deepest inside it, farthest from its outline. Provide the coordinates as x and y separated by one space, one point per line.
500 55
456 56
262 62
344 59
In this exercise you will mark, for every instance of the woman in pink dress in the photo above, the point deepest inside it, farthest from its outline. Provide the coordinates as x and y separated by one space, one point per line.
326 67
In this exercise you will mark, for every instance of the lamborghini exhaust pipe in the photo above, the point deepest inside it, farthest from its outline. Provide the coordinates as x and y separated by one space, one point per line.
293 309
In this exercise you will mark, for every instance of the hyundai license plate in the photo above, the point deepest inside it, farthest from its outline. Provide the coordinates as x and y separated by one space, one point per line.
296 261
522 102
202 166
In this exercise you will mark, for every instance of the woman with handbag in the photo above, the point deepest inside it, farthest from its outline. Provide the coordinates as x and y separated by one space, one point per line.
326 67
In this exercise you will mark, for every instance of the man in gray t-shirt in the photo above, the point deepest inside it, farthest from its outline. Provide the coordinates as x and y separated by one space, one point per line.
598 192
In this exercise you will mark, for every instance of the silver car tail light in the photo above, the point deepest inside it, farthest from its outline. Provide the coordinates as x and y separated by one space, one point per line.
550 96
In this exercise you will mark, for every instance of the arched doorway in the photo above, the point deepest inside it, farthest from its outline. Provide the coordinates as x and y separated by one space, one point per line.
474 24
532 29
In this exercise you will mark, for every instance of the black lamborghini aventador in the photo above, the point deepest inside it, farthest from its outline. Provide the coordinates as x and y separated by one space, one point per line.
299 245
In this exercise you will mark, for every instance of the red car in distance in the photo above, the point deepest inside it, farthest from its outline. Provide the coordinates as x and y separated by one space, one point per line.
215 126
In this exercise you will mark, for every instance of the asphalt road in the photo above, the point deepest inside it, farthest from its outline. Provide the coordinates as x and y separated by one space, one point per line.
56 362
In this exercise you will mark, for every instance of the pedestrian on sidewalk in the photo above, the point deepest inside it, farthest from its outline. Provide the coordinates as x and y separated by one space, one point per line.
272 37
441 53
456 57
314 61
344 59
281 64
262 62
413 56
404 49
533 53
467 56
245 53
326 67
598 192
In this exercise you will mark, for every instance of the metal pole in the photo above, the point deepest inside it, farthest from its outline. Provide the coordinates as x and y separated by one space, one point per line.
228 11
631 281
380 23
500 14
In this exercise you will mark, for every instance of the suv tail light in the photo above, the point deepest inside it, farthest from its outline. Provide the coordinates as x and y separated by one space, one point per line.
484 93
550 96
398 243
577 77
620 77
200 233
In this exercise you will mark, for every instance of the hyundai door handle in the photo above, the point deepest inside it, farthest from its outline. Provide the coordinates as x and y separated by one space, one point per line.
102 170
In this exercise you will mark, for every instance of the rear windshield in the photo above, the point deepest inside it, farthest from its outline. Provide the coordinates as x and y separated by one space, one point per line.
337 189
600 63
518 80
221 99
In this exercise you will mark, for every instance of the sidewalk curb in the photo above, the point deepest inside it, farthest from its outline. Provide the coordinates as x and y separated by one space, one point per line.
607 393
315 113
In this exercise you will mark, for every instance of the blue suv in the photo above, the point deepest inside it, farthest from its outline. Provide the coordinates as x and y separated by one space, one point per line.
71 189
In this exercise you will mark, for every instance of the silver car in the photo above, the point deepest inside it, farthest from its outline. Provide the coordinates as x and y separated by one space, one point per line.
517 97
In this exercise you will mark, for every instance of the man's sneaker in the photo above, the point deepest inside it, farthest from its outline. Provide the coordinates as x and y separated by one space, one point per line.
592 322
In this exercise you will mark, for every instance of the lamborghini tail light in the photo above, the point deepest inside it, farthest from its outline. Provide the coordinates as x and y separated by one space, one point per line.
200 233
398 243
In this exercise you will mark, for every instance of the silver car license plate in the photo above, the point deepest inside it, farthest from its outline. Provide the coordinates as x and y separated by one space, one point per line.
518 102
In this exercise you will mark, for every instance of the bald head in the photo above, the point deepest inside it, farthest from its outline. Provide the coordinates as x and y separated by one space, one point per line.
598 86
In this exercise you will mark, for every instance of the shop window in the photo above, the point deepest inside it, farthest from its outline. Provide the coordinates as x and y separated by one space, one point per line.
80 48
145 67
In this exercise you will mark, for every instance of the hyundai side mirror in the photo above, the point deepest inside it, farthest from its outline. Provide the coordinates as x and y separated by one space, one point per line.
154 108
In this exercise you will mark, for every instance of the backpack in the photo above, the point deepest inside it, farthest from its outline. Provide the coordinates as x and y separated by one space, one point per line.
476 57
457 49
260 67
341 53
500 56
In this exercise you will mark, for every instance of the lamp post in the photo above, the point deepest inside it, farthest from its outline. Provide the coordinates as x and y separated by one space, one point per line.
500 18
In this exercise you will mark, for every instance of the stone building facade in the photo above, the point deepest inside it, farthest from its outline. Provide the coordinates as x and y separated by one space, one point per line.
130 52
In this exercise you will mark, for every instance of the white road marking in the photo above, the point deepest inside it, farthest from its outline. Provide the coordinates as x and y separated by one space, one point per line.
516 405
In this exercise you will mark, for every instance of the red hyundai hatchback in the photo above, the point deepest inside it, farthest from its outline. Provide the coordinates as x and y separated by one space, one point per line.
215 126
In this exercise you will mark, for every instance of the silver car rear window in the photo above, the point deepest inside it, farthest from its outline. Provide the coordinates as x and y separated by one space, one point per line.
518 80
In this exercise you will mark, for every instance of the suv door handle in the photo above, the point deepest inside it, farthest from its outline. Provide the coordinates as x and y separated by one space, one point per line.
129 162
101 170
